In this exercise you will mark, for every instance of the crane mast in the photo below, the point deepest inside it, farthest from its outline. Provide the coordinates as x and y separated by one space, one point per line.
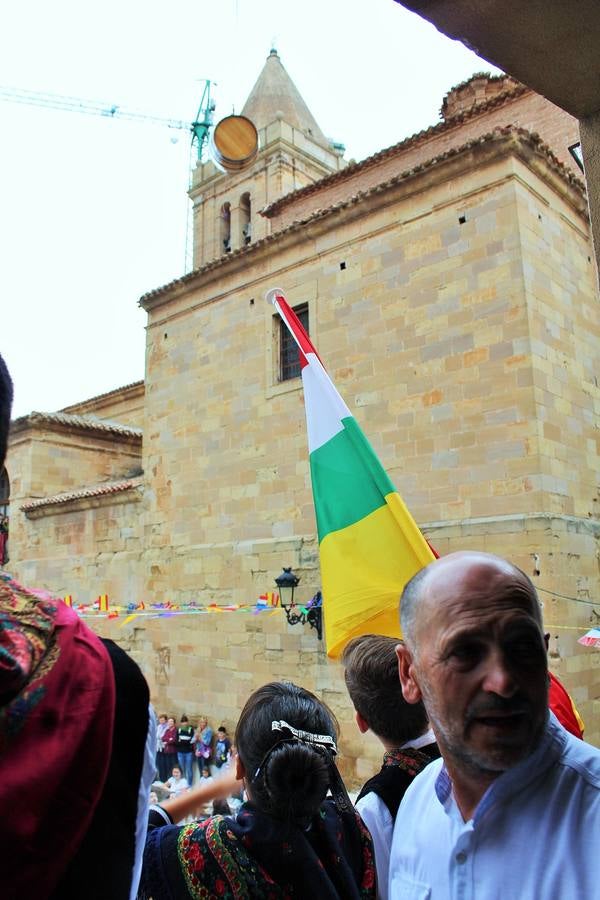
204 119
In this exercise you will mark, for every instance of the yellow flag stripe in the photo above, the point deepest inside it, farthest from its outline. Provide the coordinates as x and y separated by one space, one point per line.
364 568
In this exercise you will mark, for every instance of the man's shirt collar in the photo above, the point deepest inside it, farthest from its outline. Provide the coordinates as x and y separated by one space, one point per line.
514 779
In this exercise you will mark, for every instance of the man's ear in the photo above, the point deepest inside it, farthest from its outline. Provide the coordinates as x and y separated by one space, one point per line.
363 726
406 672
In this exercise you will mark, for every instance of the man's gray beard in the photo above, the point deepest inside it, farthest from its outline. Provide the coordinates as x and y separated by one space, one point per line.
471 759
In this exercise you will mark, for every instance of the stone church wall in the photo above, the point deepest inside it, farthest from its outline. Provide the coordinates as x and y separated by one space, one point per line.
424 324
45 461
85 548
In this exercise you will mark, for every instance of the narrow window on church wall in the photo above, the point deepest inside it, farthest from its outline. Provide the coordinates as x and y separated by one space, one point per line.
245 219
225 224
289 364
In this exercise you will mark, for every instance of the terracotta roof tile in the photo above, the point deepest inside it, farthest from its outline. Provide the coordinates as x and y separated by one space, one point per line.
493 80
90 423
99 490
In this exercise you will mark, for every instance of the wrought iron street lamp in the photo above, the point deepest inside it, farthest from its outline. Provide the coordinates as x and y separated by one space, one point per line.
287 583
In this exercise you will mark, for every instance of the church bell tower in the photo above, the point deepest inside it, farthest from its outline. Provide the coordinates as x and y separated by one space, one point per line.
290 152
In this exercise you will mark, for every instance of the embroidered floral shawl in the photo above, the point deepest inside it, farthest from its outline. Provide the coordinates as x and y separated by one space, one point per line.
57 702
255 856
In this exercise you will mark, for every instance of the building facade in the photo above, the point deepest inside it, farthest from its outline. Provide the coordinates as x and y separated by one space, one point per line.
449 285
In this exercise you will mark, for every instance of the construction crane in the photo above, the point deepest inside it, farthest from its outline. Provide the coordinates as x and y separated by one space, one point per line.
199 128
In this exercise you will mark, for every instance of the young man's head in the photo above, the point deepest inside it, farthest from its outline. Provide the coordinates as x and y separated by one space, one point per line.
6 398
221 732
371 673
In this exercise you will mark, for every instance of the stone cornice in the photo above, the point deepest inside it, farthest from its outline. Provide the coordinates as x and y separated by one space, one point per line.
576 523
83 425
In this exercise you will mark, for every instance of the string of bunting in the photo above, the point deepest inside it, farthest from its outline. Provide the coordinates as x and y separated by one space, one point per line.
101 608
269 601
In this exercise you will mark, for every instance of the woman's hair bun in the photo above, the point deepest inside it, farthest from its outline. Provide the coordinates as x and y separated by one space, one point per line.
278 737
294 781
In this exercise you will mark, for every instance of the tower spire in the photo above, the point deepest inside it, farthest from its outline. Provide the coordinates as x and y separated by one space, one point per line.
275 96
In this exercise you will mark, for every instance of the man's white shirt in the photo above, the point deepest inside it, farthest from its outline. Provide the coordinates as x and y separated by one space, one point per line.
378 820
535 833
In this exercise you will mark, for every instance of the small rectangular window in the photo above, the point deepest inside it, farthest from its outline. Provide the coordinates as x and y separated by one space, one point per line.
289 362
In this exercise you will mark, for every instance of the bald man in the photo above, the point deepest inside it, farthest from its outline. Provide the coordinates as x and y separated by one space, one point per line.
512 810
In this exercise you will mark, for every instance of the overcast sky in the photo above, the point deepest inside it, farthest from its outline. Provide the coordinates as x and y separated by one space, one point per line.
93 210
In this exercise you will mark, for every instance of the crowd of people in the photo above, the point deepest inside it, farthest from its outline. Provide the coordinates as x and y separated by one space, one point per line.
191 747
187 754
484 792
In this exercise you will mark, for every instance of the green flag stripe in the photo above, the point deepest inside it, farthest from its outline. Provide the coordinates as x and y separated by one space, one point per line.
348 480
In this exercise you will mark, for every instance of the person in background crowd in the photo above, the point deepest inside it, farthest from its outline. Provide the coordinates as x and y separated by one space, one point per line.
513 807
170 744
177 783
77 747
162 762
222 747
288 840
204 810
371 675
203 740
185 749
